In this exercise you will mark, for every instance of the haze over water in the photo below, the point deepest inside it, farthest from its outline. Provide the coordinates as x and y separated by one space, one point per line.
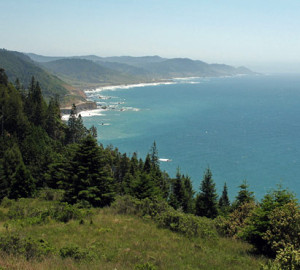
241 127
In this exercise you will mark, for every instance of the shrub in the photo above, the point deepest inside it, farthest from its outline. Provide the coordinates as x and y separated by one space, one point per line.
145 266
287 258
75 253
233 225
29 248
284 227
165 216
64 212
255 231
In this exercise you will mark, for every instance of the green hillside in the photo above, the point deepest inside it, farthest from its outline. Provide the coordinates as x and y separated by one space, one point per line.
92 70
18 65
107 238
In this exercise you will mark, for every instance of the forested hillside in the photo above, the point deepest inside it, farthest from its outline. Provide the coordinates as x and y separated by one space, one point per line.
54 178
20 66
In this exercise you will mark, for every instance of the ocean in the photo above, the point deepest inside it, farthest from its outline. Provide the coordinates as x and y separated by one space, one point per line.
242 128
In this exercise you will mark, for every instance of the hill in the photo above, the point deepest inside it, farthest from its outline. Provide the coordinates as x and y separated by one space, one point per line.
92 70
58 236
19 65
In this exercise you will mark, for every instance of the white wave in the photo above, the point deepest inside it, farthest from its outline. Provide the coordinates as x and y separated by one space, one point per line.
165 159
130 109
88 113
126 86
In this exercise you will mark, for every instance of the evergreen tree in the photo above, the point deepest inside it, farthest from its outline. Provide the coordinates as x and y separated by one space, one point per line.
188 203
22 185
224 202
177 191
244 195
76 130
89 178
206 201
3 77
154 156
147 164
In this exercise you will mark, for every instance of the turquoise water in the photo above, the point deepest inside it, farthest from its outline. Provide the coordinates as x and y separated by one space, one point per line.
241 127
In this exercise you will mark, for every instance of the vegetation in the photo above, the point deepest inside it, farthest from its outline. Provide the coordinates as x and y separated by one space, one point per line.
65 197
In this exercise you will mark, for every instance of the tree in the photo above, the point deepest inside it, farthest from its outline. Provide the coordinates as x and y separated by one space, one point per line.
89 177
244 195
224 202
261 221
22 185
3 77
76 130
206 201
154 156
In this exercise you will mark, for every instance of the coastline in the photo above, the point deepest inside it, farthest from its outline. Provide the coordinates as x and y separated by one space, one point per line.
90 107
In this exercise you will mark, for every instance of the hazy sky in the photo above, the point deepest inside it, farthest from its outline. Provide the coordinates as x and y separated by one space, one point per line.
262 34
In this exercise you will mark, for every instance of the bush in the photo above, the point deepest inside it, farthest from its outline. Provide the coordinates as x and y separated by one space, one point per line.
64 212
49 194
145 266
75 253
257 226
29 248
165 216
233 225
287 258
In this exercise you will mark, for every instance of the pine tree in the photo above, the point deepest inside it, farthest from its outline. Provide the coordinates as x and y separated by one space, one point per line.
89 178
3 77
206 201
224 202
244 195
154 156
22 185
76 130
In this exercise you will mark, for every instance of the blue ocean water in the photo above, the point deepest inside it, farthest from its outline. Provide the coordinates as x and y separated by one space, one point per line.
243 128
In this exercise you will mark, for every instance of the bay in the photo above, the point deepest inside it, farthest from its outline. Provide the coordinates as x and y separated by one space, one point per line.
243 128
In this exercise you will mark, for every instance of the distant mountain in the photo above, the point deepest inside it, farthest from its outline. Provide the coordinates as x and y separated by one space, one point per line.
82 72
19 65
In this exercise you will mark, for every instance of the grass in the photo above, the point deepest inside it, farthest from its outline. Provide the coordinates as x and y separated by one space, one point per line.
107 240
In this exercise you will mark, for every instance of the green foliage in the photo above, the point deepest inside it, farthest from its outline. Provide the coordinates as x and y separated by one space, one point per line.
287 258
29 248
182 193
75 253
284 228
166 217
224 203
260 221
244 195
145 266
90 178
235 222
206 200
18 65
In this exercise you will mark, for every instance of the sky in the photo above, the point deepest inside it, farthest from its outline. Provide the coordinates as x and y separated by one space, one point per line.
261 34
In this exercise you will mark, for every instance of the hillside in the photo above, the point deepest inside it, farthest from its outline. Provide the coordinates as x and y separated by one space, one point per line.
83 72
73 238
93 71
18 65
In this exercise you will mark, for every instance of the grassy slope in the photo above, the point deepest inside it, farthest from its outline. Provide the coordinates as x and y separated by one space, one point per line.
122 242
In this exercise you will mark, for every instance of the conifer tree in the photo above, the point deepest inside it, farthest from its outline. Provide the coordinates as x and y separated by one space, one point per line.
3 77
90 178
22 185
206 201
224 202
244 195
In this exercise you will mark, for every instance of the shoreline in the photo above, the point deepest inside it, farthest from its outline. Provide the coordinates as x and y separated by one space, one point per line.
95 110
